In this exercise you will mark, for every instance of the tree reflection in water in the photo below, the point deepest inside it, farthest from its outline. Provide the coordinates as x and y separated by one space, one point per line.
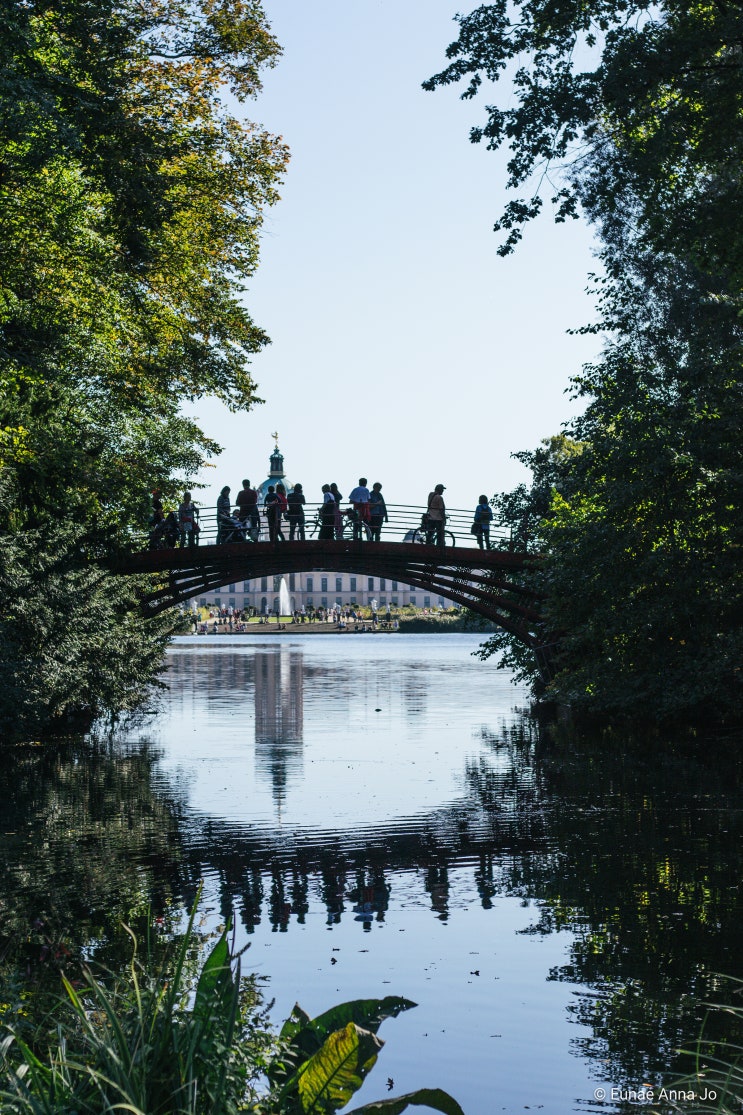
637 855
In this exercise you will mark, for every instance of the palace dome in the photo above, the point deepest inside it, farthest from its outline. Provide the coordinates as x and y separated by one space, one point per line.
276 474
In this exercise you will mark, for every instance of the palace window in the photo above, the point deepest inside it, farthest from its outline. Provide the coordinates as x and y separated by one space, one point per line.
264 584
370 584
323 584
246 586
310 584
394 586
382 584
339 584
277 583
352 584
292 582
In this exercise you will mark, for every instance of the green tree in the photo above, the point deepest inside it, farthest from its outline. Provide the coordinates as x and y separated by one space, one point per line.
131 201
639 529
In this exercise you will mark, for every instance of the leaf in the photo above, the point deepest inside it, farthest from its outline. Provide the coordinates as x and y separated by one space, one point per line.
435 1098
369 1013
214 975
327 1080
296 1021
306 1035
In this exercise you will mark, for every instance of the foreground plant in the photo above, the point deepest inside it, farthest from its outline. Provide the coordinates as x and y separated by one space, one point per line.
716 1085
158 1041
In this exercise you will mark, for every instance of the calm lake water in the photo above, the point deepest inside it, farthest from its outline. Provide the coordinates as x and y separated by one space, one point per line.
377 818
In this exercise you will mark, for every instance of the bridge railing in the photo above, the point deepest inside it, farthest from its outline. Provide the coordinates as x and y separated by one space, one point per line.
404 524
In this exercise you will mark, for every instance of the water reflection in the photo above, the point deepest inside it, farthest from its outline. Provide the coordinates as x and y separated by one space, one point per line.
279 713
633 861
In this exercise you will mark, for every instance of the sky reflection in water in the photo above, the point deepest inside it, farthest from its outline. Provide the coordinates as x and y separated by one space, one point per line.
559 914
329 784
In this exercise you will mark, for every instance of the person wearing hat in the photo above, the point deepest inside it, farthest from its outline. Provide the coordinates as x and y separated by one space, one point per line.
436 516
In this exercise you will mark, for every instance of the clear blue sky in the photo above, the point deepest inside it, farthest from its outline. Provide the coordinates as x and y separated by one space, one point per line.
404 348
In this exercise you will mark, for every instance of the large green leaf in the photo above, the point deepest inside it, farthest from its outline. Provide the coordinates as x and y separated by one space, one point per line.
306 1035
328 1079
369 1013
435 1098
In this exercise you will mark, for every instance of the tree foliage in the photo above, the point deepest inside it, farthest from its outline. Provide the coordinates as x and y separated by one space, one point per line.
634 112
131 202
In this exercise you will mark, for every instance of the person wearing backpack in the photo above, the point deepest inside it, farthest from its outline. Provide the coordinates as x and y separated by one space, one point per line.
481 525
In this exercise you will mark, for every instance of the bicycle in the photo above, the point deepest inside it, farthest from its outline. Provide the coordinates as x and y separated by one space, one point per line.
425 535
347 521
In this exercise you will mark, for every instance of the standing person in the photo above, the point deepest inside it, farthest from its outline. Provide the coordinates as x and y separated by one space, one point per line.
377 511
436 516
187 515
359 497
295 513
338 497
270 507
224 517
157 521
281 510
327 513
483 519
247 504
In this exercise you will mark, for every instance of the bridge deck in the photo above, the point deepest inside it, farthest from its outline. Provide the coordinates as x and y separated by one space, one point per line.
486 581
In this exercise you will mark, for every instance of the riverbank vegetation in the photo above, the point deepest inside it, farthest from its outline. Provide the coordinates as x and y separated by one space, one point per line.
635 505
166 1037
130 209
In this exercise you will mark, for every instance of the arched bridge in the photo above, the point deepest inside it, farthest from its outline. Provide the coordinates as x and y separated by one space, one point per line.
485 581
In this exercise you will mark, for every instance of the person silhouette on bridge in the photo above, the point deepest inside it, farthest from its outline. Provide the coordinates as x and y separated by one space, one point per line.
295 512
247 505
187 514
224 514
327 513
481 525
377 512
338 497
273 514
359 497
436 516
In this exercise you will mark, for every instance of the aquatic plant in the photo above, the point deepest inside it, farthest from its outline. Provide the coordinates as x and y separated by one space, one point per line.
159 1041
715 1087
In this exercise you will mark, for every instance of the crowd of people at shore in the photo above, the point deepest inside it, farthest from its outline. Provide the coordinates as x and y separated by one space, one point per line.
367 512
231 620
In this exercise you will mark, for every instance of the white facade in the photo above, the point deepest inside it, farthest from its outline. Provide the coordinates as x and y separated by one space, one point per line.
319 589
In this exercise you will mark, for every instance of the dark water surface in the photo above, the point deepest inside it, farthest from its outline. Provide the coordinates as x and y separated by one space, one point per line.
373 812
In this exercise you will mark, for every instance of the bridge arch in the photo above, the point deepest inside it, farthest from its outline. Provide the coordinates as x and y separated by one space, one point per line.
485 581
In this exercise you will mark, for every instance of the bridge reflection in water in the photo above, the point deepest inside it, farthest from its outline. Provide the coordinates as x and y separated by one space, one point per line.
630 862
268 869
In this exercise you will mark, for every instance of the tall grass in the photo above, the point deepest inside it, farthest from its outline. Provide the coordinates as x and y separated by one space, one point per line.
148 1042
